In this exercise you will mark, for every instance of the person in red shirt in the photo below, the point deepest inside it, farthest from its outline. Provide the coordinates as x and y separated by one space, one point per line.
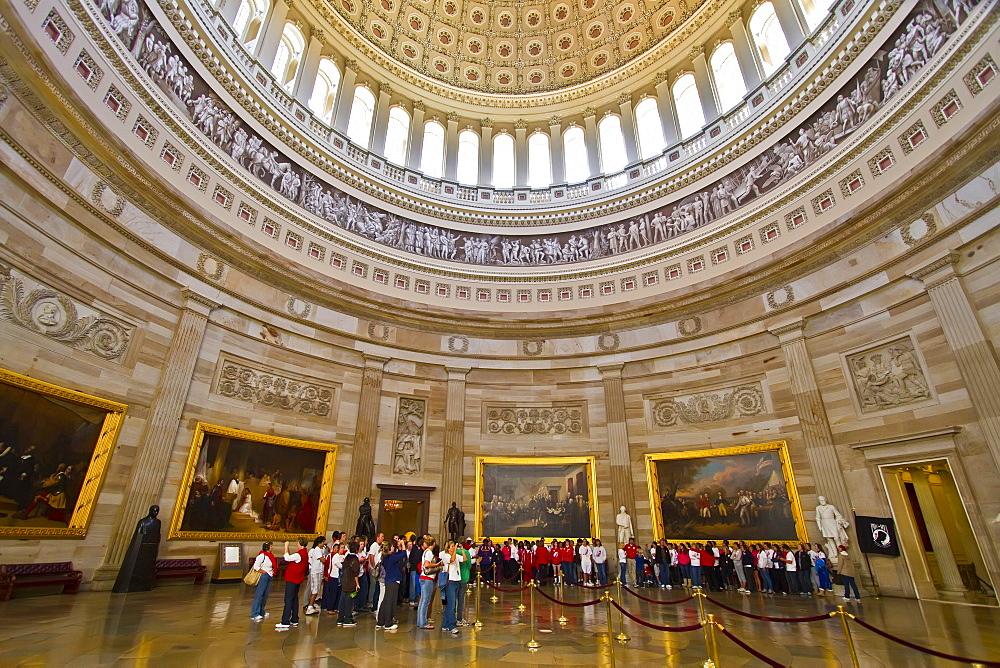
555 555
542 560
527 562
569 563
631 551
298 564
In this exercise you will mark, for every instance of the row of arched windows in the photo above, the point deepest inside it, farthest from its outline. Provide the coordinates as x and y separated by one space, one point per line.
727 78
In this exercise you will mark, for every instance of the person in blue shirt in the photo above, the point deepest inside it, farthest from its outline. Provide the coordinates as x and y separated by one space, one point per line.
390 575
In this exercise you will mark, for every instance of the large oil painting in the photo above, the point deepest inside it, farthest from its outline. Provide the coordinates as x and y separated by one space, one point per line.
536 497
55 445
743 493
240 486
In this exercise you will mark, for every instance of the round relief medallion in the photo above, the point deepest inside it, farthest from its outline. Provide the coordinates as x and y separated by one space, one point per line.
533 19
633 41
626 13
608 342
48 313
689 327
478 16
565 42
415 22
506 20
600 59
595 30
561 12
536 77
474 46
534 49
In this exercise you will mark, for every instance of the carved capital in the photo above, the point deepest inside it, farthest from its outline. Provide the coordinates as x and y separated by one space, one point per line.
660 78
520 124
418 105
453 117
555 120
384 89
318 35
789 332
734 17
486 123
625 98
589 111
351 64
196 302
937 271
696 50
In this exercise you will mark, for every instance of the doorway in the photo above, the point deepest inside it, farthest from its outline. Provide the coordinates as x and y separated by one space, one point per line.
935 534
404 509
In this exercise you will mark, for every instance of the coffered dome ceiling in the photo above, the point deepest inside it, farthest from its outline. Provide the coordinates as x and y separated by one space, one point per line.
509 46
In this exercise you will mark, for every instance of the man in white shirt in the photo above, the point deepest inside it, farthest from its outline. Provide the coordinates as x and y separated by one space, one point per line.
317 562
451 559
601 562
331 588
622 565
586 560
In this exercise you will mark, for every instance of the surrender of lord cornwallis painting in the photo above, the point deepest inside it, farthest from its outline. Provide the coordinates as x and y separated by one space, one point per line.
743 493
55 445
536 497
241 486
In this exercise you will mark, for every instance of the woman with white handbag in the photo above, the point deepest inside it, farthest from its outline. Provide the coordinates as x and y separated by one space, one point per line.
263 570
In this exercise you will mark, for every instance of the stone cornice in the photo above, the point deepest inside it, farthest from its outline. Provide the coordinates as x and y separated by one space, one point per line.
937 271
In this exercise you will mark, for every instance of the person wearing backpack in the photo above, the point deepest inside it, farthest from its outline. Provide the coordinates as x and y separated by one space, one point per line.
350 583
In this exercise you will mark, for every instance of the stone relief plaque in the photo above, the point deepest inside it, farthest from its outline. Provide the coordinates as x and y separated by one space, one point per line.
887 376
515 420
408 447
37 307
712 406
237 379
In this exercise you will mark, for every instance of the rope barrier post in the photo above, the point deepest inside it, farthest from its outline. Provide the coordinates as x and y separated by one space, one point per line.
479 588
713 648
622 637
847 632
606 597
706 626
521 606
532 644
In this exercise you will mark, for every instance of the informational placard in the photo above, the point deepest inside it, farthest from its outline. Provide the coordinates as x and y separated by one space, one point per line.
229 566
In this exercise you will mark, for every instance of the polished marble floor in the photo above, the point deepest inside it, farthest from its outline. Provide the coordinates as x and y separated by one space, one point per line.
209 625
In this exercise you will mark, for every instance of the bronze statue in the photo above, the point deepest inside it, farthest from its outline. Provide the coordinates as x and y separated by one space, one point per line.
139 565
455 522
366 525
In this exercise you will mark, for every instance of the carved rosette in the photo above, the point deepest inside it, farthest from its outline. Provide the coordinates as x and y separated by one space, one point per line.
540 421
54 315
742 401
267 388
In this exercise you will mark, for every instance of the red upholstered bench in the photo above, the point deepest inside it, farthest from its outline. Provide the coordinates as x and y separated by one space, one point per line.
39 575
180 568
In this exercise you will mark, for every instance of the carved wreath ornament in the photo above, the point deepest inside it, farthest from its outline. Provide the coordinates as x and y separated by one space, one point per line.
54 315
710 406
266 389
535 421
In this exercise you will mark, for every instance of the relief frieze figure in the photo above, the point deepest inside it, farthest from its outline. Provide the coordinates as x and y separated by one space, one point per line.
743 401
888 376
409 444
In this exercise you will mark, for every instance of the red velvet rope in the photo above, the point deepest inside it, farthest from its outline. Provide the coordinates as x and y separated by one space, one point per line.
506 591
653 600
568 604
925 650
751 650
790 620
673 629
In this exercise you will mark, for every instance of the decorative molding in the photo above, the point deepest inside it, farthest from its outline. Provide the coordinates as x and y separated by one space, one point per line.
887 376
379 331
297 307
785 294
107 199
458 344
210 267
43 310
608 342
516 420
532 347
699 408
690 326
625 98
917 230
408 448
263 386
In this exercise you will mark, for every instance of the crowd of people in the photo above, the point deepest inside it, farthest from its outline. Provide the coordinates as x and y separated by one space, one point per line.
347 577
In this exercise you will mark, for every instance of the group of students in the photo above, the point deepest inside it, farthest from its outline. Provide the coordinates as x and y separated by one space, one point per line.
768 568
583 562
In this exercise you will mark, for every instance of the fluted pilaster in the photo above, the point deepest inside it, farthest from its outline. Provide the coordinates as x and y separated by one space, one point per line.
622 489
454 445
365 438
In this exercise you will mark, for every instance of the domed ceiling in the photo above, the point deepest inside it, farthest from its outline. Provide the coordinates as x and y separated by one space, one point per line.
507 46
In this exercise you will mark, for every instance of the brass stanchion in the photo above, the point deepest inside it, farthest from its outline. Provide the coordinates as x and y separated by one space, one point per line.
479 587
611 632
521 607
532 644
713 648
622 637
705 628
847 632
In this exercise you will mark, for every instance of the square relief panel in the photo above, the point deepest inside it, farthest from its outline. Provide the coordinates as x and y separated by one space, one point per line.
888 376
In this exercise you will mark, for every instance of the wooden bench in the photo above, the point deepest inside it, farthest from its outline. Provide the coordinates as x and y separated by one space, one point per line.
39 575
180 568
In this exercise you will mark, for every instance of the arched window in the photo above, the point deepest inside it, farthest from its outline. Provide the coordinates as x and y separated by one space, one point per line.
649 128
397 135
729 82
468 157
690 115
286 61
359 124
769 38
539 161
432 153
503 161
815 11
612 144
249 18
324 93
575 155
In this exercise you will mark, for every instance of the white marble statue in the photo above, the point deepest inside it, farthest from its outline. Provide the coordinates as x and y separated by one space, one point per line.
832 525
624 522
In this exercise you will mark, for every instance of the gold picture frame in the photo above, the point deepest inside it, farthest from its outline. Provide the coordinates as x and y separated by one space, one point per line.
62 428
745 466
540 464
324 461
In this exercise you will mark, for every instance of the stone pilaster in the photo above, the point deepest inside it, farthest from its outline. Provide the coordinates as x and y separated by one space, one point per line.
622 487
454 448
816 434
365 438
944 553
160 433
973 353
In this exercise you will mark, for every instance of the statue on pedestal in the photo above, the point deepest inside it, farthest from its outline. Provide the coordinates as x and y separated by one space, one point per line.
455 522
366 525
139 565
625 530
832 525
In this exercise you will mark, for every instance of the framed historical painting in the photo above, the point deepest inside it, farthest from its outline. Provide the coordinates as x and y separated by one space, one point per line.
55 445
239 485
742 493
536 497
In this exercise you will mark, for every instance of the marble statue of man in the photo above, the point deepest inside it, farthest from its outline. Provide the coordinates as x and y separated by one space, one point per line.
624 522
832 525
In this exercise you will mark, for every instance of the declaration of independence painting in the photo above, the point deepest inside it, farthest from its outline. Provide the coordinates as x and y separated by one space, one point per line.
239 485
54 449
536 497
744 493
